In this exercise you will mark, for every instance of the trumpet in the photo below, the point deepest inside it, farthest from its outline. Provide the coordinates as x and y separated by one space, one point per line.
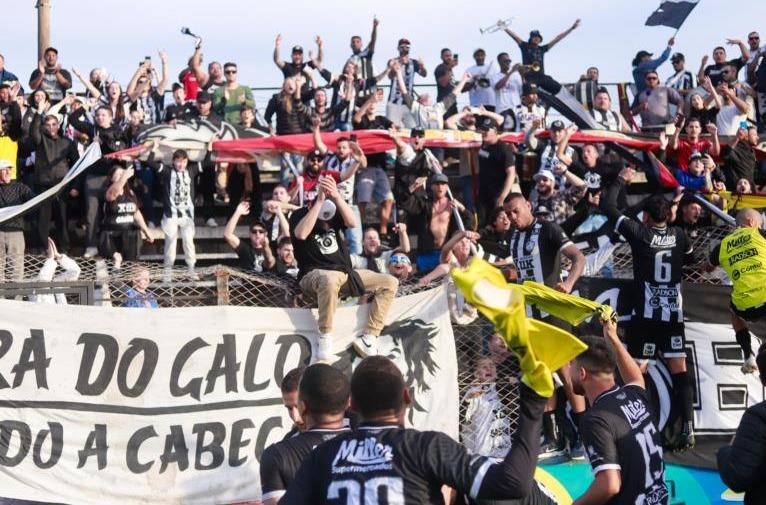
500 25
534 67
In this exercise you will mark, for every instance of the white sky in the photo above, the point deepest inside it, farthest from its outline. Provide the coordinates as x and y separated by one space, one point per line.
117 35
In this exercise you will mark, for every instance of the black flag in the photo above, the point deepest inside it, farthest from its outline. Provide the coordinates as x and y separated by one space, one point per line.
672 13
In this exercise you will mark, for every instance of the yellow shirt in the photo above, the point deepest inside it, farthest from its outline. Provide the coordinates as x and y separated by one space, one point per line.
742 255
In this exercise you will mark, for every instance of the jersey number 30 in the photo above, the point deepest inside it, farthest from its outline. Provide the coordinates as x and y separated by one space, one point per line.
662 266
371 493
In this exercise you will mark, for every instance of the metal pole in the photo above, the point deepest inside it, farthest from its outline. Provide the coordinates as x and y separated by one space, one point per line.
715 210
43 27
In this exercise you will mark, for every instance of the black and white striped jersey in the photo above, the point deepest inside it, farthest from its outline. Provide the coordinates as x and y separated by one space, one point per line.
658 257
536 252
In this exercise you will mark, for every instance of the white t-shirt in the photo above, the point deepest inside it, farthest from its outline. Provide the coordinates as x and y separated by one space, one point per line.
728 120
509 96
479 95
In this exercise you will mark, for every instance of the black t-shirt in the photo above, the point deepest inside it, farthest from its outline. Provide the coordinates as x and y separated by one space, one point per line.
390 464
619 433
531 54
324 248
281 268
179 112
536 252
493 160
715 71
249 258
658 257
120 213
376 123
280 461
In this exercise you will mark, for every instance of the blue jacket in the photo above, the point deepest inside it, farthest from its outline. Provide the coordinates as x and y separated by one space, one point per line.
640 70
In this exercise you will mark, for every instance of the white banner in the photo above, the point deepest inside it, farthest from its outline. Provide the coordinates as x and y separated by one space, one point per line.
133 406
89 157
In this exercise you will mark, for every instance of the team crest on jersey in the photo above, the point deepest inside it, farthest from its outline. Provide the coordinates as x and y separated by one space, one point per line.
677 343
635 412
363 456
649 349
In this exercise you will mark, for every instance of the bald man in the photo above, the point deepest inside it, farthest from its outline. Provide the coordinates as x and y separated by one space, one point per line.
742 255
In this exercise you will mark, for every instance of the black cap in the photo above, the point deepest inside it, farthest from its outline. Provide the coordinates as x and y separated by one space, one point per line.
640 55
529 89
486 123
316 154
204 96
557 125
177 86
417 132
404 42
677 57
51 50
297 49
535 33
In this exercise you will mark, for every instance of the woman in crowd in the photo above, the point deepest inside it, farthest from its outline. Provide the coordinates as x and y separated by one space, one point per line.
122 219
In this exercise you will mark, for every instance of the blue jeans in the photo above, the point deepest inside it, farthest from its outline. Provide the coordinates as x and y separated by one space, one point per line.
467 190
354 235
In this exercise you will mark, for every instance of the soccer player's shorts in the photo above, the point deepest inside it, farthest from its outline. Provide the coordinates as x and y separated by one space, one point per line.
751 314
647 339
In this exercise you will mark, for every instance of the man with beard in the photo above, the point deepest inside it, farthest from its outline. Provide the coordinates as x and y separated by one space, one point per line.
530 112
602 112
508 85
560 203
54 155
308 183
411 174
373 257
50 76
322 400
715 71
480 90
286 264
621 438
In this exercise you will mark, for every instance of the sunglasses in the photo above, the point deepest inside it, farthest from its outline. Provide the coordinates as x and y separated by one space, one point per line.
257 231
754 38
399 259
316 160
230 72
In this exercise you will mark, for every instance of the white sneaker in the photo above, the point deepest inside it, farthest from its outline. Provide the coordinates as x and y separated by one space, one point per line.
366 345
90 252
324 348
750 365
211 222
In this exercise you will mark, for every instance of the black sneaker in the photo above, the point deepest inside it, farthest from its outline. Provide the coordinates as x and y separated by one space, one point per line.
551 453
686 437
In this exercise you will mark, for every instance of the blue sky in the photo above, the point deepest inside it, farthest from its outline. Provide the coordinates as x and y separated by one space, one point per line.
612 31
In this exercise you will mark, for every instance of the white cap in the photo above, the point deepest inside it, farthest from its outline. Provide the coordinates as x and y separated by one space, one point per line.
327 211
5 164
544 173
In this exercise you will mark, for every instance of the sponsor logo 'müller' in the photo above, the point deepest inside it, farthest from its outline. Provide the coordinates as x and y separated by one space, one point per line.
635 412
362 456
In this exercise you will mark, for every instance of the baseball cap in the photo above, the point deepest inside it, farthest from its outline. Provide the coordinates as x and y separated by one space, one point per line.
640 55
316 154
417 132
529 89
486 123
677 57
297 49
544 173
177 86
204 96
5 164
557 125
695 155
535 33
327 211
404 42
439 179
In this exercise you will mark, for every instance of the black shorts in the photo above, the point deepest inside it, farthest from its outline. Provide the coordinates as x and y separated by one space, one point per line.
646 339
750 314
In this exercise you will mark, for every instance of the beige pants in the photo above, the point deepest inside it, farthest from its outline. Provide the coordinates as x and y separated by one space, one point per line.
325 286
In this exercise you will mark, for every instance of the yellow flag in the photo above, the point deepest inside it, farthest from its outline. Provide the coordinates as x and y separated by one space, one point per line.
9 150
741 201
540 347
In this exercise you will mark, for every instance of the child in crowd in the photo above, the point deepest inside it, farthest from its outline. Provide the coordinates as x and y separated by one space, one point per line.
138 295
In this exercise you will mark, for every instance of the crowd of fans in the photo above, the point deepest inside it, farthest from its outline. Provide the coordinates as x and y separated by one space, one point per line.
350 223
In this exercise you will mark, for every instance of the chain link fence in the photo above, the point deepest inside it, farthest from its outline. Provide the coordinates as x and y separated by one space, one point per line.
488 405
